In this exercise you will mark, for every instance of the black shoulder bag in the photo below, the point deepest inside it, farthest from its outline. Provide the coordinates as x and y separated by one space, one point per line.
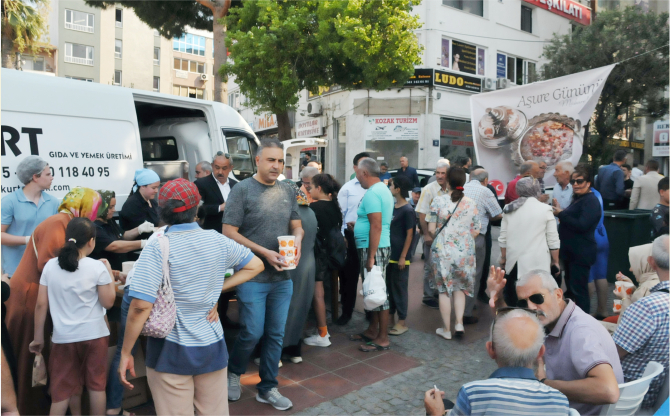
447 221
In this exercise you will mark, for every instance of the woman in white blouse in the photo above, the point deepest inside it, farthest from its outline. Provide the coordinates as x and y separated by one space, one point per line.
528 236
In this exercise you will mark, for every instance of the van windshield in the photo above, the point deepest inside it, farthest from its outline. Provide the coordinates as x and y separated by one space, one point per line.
242 150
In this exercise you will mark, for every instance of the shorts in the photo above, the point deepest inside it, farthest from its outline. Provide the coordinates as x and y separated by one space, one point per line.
322 271
382 258
75 365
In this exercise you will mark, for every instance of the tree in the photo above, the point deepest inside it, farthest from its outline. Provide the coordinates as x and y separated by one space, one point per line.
171 18
636 86
23 26
280 47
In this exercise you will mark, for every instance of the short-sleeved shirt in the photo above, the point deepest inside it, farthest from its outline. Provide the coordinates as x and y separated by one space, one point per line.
487 203
75 308
23 216
198 261
643 333
576 344
378 198
106 234
404 219
262 213
659 220
428 193
349 198
510 391
563 196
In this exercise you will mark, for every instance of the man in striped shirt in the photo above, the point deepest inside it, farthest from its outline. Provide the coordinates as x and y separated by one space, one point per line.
516 343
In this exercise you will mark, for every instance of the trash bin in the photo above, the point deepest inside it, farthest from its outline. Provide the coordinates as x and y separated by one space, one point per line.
625 229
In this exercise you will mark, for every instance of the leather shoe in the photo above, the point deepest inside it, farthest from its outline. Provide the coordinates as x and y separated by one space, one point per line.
432 303
343 320
469 320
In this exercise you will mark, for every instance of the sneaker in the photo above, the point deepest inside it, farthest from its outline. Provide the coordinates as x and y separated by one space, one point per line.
432 303
274 398
317 341
257 361
234 387
444 334
293 359
460 330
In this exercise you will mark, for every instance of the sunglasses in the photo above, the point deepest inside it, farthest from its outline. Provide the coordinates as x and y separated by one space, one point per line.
226 155
537 299
577 181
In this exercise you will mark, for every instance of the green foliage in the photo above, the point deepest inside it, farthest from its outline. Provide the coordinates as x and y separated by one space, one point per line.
281 47
25 24
615 36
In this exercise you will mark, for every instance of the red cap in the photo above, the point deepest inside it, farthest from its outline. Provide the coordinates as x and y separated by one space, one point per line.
181 190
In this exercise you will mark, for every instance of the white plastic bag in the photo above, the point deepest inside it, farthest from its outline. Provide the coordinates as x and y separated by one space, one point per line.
374 289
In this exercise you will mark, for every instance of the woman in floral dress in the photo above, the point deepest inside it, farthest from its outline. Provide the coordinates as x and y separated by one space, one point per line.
453 249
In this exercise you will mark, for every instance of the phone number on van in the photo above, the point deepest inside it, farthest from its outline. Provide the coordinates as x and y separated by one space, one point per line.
70 171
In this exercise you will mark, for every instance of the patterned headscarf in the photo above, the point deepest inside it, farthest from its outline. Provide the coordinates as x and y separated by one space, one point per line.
527 187
82 203
106 200
299 194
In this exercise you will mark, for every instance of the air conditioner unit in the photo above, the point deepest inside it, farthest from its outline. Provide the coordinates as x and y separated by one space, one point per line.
489 84
502 83
314 109
205 77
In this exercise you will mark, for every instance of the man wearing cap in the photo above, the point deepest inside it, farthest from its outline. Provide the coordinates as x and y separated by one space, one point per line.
259 210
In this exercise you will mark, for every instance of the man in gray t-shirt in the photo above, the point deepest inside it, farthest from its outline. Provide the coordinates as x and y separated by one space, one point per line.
259 210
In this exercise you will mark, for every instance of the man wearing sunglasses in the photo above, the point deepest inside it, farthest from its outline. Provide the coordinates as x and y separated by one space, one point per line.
581 359
516 344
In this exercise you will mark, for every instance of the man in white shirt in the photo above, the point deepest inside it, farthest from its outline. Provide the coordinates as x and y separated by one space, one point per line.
349 197
563 190
645 190
429 192
636 173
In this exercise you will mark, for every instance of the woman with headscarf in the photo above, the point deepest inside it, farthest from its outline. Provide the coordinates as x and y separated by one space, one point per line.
528 236
44 244
24 209
141 205
304 278
111 243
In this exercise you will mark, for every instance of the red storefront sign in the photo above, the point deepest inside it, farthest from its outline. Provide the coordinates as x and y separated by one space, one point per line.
569 9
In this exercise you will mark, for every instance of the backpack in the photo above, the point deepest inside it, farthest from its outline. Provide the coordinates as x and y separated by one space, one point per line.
333 250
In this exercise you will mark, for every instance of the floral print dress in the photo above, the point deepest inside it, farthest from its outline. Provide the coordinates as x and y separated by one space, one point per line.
453 250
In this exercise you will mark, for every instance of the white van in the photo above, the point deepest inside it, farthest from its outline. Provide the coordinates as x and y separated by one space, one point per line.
96 135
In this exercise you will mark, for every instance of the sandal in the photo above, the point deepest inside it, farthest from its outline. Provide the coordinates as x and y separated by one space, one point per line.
398 330
360 337
375 349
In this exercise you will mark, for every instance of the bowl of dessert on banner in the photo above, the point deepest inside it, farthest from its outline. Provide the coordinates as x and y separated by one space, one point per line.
500 126
549 138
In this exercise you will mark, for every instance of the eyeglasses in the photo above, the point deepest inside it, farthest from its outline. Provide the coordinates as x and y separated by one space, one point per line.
579 181
537 299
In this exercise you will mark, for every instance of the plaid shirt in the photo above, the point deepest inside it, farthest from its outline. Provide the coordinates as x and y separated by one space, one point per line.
487 203
643 332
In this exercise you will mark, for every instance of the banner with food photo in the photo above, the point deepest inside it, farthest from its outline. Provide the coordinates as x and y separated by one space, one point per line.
542 121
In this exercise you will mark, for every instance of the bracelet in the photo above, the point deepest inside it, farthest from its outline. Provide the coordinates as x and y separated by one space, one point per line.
542 381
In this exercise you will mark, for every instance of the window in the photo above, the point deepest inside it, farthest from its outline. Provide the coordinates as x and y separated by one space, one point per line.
526 19
242 148
119 18
160 149
189 44
456 139
188 92
157 84
463 57
79 54
157 56
156 32
190 66
79 79
33 63
234 99
80 21
117 78
519 71
470 6
118 48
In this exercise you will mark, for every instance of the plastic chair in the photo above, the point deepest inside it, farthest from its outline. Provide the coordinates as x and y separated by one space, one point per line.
632 393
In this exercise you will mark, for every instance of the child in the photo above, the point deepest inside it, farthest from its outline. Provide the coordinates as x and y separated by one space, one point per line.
75 289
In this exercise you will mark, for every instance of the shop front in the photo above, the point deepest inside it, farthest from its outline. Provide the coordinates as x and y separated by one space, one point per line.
456 139
388 138
265 126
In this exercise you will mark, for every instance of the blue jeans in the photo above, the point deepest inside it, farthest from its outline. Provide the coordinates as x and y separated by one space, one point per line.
263 309
114 387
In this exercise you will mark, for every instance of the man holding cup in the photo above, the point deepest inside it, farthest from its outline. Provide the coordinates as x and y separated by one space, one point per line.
262 214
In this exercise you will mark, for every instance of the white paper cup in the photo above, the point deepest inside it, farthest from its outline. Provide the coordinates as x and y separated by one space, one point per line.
127 266
286 241
291 263
628 288
617 305
618 286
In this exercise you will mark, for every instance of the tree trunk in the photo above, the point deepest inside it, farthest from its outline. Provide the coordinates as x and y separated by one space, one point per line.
7 48
220 55
284 126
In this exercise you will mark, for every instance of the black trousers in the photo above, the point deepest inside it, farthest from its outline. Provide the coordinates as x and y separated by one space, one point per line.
509 293
224 299
577 279
487 262
349 276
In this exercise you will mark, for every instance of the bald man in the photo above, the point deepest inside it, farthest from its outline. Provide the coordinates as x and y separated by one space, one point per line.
516 343
410 172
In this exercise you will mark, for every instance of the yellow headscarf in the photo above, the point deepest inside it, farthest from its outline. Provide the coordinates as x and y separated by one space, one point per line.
82 203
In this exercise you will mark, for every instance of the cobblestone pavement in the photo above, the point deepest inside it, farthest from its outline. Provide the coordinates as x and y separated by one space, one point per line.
447 364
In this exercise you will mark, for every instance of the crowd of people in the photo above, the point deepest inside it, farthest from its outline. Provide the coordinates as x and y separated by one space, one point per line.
276 245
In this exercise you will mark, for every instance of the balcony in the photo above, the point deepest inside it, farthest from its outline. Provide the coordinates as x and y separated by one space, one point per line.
80 28
79 61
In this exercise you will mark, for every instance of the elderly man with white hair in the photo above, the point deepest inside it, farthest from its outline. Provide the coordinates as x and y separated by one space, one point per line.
563 189
25 208
642 334
306 175
581 358
516 344
203 169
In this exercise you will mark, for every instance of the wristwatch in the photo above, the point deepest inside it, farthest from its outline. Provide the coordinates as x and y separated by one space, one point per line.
542 381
